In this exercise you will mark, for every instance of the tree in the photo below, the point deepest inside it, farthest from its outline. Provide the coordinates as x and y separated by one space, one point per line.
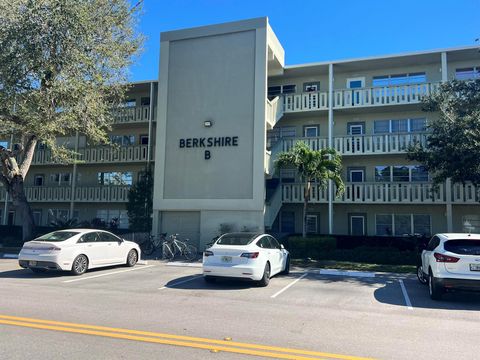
62 69
453 143
139 206
313 165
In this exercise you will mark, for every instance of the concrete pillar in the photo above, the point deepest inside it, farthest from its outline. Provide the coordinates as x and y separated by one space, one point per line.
330 145
74 177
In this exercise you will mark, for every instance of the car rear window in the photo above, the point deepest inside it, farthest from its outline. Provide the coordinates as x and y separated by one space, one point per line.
236 239
57 236
463 247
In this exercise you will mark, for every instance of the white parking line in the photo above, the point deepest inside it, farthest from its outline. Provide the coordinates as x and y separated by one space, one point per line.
180 282
111 273
286 287
405 295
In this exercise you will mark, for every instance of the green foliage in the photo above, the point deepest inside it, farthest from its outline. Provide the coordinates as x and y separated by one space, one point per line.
324 248
319 165
453 144
63 67
139 206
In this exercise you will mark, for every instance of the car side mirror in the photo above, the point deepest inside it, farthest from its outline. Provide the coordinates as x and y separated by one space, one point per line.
282 247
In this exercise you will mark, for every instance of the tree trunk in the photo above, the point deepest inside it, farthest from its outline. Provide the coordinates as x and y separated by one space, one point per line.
17 192
306 198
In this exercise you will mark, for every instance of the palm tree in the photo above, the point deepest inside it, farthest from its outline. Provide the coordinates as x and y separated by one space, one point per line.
313 165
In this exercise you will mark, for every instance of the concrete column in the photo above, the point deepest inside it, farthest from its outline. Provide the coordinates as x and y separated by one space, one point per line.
150 119
448 183
330 145
5 206
74 176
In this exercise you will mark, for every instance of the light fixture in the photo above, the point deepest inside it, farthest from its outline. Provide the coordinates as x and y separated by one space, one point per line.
208 123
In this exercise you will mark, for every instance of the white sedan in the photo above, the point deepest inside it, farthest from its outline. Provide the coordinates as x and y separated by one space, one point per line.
77 250
247 256
449 262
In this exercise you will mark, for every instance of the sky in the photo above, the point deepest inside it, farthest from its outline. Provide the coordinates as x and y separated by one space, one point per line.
320 30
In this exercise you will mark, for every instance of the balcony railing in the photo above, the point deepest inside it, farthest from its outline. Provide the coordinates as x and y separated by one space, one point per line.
100 154
133 114
385 193
393 143
355 98
91 194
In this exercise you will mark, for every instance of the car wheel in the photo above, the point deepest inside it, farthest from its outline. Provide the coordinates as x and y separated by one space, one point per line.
421 275
286 271
132 258
435 290
209 279
38 270
80 265
266 276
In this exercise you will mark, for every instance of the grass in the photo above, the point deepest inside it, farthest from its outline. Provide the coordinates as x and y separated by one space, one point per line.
348 265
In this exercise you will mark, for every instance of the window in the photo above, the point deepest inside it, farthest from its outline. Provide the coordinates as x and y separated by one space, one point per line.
130 103
281 89
123 140
145 101
274 242
106 237
37 217
311 86
106 217
60 178
143 139
287 175
355 128
312 224
115 178
433 243
355 175
356 83
264 243
468 73
402 224
401 173
471 223
89 238
310 131
4 144
399 79
38 180
399 126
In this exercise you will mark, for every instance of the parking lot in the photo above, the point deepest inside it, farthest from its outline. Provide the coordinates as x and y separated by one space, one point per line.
368 315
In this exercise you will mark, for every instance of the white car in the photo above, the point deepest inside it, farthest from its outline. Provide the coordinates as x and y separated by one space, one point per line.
451 261
246 256
77 250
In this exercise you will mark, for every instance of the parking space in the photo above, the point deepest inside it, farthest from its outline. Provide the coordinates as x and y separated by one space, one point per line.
302 287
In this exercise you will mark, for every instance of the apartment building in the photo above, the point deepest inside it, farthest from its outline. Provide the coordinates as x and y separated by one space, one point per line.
97 186
225 105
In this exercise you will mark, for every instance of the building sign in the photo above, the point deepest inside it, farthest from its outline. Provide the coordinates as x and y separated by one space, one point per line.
208 142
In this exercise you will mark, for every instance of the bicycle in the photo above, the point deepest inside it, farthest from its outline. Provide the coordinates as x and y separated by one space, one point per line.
173 247
152 243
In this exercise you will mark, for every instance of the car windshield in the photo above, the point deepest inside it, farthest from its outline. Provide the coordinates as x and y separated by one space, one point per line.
463 247
57 236
236 239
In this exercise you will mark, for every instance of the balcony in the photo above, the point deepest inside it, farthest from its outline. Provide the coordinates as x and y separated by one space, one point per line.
132 114
359 98
100 155
385 193
392 143
90 194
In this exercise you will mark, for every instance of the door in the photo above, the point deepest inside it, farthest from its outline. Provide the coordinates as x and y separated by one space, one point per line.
90 245
427 253
357 225
116 249
184 223
277 255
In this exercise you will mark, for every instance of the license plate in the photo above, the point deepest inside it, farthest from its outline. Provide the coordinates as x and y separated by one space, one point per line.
474 267
226 259
32 263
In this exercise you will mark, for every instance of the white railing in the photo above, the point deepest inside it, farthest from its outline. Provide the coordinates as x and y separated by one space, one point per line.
309 101
100 154
465 193
378 96
362 144
364 97
273 207
132 114
369 193
82 194
274 111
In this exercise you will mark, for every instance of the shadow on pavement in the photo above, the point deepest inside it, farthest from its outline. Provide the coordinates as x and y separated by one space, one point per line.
21 273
